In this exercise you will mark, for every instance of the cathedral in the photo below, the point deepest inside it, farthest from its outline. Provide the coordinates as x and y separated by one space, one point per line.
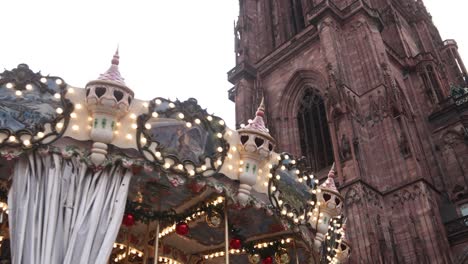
371 86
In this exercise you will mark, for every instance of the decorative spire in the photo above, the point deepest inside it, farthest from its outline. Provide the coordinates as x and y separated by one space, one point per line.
330 182
343 235
113 73
258 124
115 60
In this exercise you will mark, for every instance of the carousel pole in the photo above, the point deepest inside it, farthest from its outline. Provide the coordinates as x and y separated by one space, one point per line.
127 255
156 244
146 251
226 231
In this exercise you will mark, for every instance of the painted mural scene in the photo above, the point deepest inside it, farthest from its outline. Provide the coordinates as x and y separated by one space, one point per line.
350 145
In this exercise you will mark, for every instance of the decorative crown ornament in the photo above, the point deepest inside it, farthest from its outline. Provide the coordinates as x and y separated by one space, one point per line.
329 204
255 149
108 99
343 247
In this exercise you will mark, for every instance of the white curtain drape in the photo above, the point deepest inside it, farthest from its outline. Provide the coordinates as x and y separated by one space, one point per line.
63 212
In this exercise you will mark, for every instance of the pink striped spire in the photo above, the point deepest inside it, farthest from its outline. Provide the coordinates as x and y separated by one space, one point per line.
113 73
258 123
330 182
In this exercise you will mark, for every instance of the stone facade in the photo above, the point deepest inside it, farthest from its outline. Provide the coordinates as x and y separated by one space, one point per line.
399 138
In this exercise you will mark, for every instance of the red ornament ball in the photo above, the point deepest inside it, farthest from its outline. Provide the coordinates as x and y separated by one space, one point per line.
267 260
182 228
235 243
128 220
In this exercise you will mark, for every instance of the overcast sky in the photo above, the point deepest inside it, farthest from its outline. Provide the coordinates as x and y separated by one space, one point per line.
168 48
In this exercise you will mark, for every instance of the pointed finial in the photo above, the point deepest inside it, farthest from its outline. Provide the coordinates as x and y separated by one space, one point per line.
261 108
115 59
331 173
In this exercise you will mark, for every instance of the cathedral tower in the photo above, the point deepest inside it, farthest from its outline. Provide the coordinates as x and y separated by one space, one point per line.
371 85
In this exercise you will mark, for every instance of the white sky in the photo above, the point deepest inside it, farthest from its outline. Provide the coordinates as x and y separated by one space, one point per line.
167 48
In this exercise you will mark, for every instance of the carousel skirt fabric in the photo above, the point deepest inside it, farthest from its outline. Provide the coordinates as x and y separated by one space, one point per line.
63 212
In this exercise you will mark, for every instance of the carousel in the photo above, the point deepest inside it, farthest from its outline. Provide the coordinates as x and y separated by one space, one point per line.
95 175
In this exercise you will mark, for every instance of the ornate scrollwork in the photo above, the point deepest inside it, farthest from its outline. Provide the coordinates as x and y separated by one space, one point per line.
292 189
33 108
182 138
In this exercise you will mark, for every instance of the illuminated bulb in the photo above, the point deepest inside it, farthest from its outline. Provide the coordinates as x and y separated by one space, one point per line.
59 110
197 121
9 85
167 165
229 133
26 142
57 96
188 124
234 148
180 167
192 172
220 162
134 126
220 135
221 122
71 90
278 177
29 87
18 93
60 125
43 80
230 167
158 154
181 116
158 101
73 115
59 81
171 105
143 139
75 127
203 167
283 167
154 114
129 136
265 184
220 149
273 188
210 118
91 119
40 134
148 126
133 116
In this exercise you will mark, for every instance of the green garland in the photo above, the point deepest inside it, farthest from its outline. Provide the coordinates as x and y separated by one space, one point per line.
146 214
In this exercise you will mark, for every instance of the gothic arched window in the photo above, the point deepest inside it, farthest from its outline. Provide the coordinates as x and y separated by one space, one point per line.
297 16
313 130
434 82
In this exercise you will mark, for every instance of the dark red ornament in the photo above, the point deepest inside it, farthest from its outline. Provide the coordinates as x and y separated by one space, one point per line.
267 260
128 220
136 169
182 228
235 243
